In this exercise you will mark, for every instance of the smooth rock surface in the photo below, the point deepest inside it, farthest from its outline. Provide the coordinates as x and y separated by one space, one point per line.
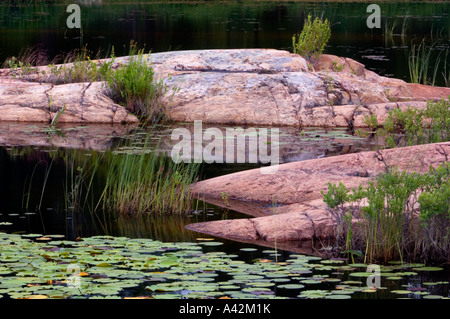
236 87
240 91
291 198
23 101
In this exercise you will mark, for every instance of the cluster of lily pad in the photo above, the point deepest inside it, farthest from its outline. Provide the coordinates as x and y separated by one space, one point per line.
37 266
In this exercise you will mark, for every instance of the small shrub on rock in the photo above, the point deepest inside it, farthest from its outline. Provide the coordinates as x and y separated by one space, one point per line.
311 42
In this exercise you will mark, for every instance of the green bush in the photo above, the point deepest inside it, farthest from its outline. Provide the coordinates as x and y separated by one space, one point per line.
313 38
406 215
414 126
135 86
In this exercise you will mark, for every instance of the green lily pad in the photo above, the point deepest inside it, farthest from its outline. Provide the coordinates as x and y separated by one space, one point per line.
338 297
261 283
211 243
428 269
357 265
401 292
433 297
347 291
421 293
360 274
311 281
331 261
313 294
351 282
31 235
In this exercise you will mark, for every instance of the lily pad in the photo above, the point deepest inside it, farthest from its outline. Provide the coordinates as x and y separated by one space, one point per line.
432 297
311 281
338 297
428 269
211 243
360 274
401 292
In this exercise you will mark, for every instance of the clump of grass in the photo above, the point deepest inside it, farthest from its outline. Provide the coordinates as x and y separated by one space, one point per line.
424 63
142 181
133 178
446 70
406 215
311 42
78 67
136 86
133 84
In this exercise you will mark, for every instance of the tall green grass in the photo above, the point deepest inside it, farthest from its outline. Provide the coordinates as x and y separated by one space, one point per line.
424 63
132 179
143 181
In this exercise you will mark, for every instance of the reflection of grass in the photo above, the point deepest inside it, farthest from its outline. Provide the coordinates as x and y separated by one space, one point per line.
164 228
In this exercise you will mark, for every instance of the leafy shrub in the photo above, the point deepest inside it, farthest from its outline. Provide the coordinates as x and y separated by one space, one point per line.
313 38
135 86
431 125
405 215
435 211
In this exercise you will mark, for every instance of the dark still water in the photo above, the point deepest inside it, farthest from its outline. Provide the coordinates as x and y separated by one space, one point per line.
164 26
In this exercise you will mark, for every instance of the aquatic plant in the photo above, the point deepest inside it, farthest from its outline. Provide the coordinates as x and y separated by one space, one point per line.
414 126
131 178
141 180
424 63
405 215
34 266
79 66
311 42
